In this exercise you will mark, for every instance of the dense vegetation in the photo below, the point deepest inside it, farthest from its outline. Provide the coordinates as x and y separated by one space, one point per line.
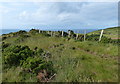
37 56
30 61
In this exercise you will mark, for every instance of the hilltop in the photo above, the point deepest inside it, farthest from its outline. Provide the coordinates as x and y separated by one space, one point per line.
28 56
108 32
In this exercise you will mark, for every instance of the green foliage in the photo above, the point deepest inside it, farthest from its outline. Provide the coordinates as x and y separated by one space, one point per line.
81 37
72 35
109 40
116 41
21 32
22 38
57 34
40 51
36 64
17 74
73 61
108 32
4 37
65 34
46 34
14 54
15 34
71 32
5 45
104 39
93 37
30 61
34 31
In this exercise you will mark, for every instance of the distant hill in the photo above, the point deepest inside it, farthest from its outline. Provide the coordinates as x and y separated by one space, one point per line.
109 32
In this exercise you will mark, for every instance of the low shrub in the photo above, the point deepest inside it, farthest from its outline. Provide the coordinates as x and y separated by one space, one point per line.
80 37
33 31
34 65
14 54
93 37
15 34
5 45
22 38
4 37
40 51
31 61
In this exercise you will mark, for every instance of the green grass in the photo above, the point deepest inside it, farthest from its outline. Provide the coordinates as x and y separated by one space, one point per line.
109 32
15 75
72 60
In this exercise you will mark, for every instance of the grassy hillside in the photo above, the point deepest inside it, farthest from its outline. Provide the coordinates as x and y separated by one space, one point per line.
73 60
109 32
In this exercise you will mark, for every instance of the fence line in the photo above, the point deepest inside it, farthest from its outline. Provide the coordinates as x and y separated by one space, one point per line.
52 33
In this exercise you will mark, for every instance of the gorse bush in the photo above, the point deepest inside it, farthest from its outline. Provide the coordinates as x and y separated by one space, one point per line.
34 31
40 51
35 64
106 40
22 38
45 34
30 60
81 37
14 54
5 45
15 34
109 40
20 32
93 37
4 37
116 41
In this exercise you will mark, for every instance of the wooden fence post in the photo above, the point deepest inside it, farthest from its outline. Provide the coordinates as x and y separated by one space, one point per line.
62 33
76 36
39 31
68 33
101 35
84 34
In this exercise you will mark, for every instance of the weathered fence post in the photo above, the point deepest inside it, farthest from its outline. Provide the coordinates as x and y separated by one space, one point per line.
62 33
39 31
101 35
77 36
84 34
68 33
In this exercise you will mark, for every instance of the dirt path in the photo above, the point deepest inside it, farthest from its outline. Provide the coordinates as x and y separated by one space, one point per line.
115 38
95 53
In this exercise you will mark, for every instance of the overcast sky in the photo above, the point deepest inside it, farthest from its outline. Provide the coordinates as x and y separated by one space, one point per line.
58 15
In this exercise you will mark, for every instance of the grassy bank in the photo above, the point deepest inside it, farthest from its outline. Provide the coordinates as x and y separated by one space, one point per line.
73 60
